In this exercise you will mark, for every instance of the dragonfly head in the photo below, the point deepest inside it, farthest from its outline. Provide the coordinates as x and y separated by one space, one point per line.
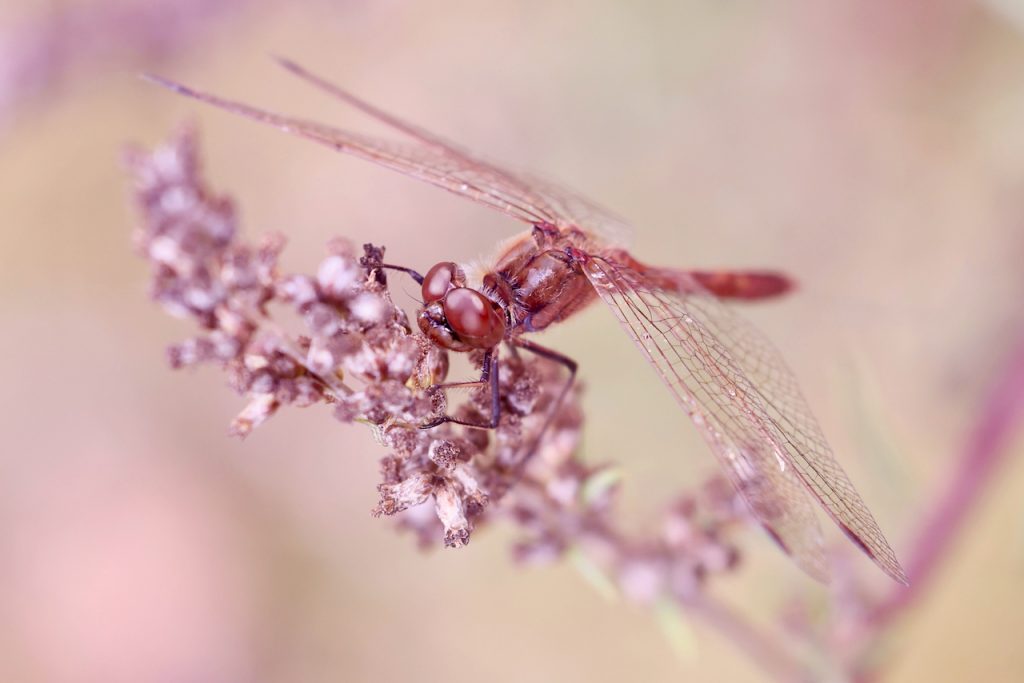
457 317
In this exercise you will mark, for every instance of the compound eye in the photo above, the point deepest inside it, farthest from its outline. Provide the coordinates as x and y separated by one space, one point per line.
439 280
470 314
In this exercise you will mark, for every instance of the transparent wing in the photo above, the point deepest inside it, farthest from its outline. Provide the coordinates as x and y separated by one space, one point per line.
427 157
746 402
566 208
579 211
416 160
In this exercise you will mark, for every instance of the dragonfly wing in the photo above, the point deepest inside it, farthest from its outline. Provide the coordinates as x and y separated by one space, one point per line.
430 158
428 163
580 211
746 402
566 208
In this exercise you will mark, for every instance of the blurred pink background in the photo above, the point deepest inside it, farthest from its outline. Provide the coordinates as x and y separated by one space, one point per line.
872 149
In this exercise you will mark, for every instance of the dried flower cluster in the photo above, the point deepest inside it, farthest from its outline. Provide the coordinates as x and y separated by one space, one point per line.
357 353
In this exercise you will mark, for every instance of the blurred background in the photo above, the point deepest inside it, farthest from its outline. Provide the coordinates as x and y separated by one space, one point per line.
872 149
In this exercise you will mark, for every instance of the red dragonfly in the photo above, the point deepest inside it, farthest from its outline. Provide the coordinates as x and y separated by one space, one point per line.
725 374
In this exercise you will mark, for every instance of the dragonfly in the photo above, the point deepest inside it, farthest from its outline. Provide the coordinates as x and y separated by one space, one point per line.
724 373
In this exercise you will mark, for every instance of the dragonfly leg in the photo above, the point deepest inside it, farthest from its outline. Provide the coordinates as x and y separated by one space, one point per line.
556 357
488 377
409 271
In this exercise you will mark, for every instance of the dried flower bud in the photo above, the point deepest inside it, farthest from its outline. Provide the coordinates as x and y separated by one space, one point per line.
641 579
452 513
444 453
475 497
369 308
254 414
397 497
338 277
